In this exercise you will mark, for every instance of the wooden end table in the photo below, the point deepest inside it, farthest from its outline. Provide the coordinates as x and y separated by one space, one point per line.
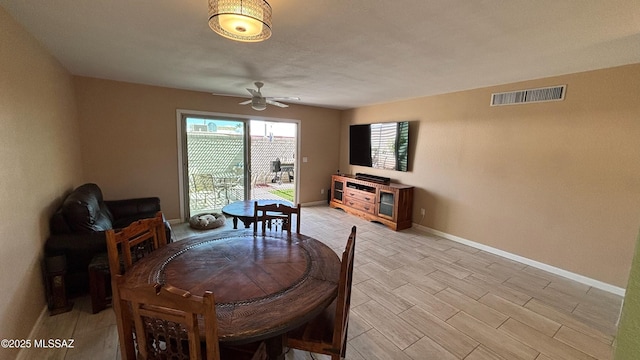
243 210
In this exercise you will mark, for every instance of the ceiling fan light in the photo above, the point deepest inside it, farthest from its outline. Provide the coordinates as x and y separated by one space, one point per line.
240 25
258 104
241 20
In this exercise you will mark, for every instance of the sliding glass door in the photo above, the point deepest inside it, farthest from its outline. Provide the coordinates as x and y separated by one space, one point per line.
228 159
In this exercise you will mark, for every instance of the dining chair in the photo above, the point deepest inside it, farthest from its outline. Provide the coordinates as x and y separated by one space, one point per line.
327 333
124 248
130 244
166 323
275 216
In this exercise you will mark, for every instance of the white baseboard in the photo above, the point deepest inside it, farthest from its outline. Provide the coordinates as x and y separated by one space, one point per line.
22 354
552 269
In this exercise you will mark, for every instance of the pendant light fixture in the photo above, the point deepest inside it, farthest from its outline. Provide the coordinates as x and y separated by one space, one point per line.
241 20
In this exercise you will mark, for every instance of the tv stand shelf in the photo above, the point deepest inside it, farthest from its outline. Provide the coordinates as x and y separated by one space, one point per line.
390 204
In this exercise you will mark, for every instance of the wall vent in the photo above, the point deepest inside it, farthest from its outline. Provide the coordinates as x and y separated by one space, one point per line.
553 93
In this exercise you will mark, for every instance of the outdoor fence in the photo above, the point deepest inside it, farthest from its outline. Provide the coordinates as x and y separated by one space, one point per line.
216 166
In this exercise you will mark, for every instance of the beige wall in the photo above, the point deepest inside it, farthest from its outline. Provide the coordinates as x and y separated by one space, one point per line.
129 138
556 182
39 158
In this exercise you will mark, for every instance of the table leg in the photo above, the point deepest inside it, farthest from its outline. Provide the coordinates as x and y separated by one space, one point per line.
275 348
246 221
235 222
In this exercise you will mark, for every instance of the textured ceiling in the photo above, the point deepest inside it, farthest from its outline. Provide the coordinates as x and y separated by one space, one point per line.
338 53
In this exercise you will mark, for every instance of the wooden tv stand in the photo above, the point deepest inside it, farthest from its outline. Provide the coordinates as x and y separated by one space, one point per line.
390 204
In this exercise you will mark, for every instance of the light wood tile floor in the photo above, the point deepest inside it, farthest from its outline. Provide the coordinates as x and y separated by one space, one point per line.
418 296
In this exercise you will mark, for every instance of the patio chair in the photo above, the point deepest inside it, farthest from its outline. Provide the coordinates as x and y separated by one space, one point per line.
203 191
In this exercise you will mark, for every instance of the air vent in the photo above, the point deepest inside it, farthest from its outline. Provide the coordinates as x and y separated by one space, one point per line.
553 93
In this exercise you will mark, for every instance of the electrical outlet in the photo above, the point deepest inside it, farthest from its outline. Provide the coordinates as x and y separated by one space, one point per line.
422 212
321 191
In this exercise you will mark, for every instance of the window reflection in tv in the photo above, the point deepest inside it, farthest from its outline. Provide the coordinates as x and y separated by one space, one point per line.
380 145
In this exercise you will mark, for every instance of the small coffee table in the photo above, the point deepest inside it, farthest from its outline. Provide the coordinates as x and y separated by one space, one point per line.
243 210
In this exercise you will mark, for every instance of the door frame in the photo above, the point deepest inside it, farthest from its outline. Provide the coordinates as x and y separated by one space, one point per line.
182 161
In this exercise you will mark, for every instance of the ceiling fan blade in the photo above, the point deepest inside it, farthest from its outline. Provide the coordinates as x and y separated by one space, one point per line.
279 104
283 98
254 93
245 102
229 95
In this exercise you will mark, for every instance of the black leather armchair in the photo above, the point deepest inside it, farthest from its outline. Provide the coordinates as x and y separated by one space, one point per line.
78 228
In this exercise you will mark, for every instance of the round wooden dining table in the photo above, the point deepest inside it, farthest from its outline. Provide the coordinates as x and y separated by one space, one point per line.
264 285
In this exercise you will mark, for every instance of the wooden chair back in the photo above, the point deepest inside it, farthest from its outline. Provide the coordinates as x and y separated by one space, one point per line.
130 244
275 216
343 301
166 322
314 336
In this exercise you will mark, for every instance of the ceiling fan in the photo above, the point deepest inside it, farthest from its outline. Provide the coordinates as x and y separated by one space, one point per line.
259 102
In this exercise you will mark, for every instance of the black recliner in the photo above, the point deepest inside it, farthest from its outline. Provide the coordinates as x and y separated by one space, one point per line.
78 229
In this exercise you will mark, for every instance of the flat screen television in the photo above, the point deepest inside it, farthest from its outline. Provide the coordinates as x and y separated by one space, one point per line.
380 145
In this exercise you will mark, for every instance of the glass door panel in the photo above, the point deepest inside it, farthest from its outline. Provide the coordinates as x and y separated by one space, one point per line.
338 189
273 160
216 153
387 204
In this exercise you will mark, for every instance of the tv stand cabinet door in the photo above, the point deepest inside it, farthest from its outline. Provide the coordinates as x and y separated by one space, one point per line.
338 187
387 204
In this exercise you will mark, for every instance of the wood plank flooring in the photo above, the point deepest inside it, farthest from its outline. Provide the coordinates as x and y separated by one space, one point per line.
418 296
